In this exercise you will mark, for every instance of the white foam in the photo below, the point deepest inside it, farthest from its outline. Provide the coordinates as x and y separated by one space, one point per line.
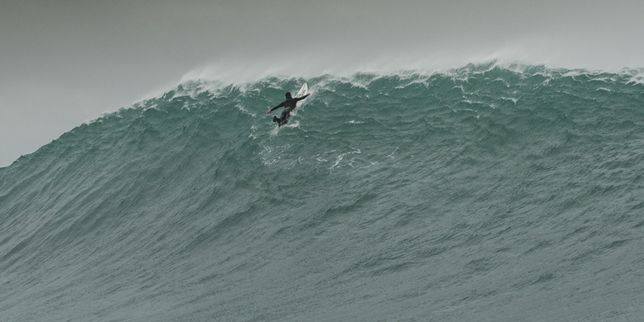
426 63
274 131
215 77
637 79
511 99
292 124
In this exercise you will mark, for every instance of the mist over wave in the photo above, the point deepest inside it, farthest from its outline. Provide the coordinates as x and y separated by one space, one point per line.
483 193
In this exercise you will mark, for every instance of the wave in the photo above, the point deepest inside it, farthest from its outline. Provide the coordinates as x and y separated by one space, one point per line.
486 192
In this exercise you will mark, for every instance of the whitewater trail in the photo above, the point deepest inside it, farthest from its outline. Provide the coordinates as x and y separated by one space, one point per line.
482 194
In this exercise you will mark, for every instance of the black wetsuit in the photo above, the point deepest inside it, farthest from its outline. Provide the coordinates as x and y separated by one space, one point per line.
289 105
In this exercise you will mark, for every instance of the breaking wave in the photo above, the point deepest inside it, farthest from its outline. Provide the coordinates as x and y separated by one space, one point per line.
484 193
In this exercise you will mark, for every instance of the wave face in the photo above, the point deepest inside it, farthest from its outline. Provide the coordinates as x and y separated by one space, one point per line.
485 193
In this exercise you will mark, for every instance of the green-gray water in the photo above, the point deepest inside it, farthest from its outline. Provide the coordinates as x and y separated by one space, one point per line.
482 194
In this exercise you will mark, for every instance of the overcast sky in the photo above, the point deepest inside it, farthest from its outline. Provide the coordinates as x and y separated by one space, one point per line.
63 62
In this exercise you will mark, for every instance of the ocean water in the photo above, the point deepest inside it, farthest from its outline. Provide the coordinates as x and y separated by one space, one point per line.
484 193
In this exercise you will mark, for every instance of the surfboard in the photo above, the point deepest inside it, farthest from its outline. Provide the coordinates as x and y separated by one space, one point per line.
303 90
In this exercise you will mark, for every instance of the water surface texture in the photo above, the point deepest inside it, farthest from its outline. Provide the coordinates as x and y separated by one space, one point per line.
485 193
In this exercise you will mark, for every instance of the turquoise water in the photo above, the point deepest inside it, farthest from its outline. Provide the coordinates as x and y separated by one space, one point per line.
484 193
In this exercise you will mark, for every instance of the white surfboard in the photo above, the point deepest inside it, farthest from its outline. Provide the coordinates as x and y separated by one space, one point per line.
303 90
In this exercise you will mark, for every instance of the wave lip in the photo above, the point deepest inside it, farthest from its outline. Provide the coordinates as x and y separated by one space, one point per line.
487 192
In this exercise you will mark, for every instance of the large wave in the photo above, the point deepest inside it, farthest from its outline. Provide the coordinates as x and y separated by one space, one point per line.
485 193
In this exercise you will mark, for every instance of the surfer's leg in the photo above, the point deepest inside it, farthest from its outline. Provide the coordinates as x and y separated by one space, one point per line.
284 118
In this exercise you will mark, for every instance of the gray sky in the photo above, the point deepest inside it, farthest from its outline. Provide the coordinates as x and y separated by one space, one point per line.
67 61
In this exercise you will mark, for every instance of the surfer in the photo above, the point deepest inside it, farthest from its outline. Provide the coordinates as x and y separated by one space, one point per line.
289 106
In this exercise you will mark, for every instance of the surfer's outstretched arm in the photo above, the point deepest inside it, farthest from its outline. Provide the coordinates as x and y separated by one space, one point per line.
274 108
303 97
